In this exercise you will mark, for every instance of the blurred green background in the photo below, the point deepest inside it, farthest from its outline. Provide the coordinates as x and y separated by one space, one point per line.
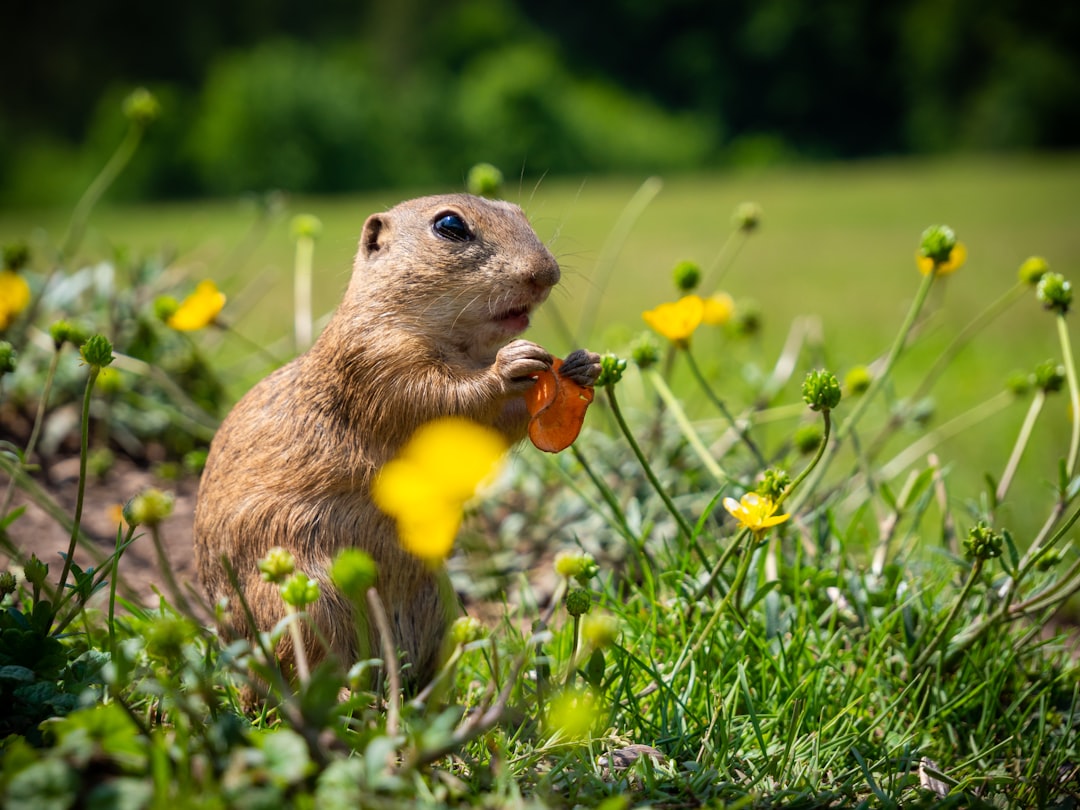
332 96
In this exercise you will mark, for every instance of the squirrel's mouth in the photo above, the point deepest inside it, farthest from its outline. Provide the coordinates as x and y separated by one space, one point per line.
514 320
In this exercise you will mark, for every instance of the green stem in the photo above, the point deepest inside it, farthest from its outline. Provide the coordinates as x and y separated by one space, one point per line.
305 251
166 570
611 249
879 379
677 412
35 431
105 178
680 521
981 321
1074 392
81 494
572 669
617 515
1021 444
719 403
931 648
826 416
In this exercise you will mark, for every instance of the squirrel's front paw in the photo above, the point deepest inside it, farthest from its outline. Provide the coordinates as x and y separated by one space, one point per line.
581 366
518 362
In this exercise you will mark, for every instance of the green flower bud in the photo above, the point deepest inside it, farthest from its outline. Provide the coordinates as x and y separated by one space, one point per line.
645 352
149 508
100 461
141 107
599 630
578 601
97 351
16 256
306 226
773 483
857 380
982 542
64 332
465 630
611 370
1033 269
484 180
277 564
166 638
577 565
687 275
747 322
299 591
35 571
821 391
165 306
937 243
1019 383
747 217
8 356
353 572
1049 376
7 584
807 438
1049 559
1054 292
195 460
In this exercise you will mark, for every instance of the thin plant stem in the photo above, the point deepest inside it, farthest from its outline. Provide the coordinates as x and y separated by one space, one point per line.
575 642
719 403
166 570
35 431
878 382
303 673
100 184
114 580
84 448
680 521
679 415
1074 392
305 251
386 640
976 325
1021 444
939 637
605 263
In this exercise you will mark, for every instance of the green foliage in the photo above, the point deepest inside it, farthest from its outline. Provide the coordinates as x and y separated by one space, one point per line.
838 651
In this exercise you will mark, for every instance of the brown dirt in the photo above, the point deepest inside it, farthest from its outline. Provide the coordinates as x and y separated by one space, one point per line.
35 531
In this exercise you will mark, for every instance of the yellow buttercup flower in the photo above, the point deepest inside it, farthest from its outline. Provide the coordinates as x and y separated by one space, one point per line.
427 485
14 297
199 309
957 256
718 309
677 320
755 512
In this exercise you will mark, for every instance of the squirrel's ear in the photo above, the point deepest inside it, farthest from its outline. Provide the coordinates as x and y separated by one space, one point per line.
374 236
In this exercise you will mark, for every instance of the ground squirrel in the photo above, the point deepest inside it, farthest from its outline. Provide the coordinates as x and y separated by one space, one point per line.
440 287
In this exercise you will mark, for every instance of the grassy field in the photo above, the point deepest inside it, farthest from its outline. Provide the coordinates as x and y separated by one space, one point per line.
876 645
837 243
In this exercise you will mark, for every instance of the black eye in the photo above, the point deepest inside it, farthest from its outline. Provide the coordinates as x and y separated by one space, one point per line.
452 227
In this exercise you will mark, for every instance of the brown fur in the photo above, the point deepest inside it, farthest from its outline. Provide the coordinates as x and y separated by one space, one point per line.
416 337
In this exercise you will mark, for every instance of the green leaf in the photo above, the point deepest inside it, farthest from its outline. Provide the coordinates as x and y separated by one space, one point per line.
50 784
1014 555
286 754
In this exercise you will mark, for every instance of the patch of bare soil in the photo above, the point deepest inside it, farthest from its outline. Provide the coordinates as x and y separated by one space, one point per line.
37 532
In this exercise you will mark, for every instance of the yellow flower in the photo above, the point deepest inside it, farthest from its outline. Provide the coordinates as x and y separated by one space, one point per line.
718 309
755 512
677 320
14 297
199 309
957 256
426 487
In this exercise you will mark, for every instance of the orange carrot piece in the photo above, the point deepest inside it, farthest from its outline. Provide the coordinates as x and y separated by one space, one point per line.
557 406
